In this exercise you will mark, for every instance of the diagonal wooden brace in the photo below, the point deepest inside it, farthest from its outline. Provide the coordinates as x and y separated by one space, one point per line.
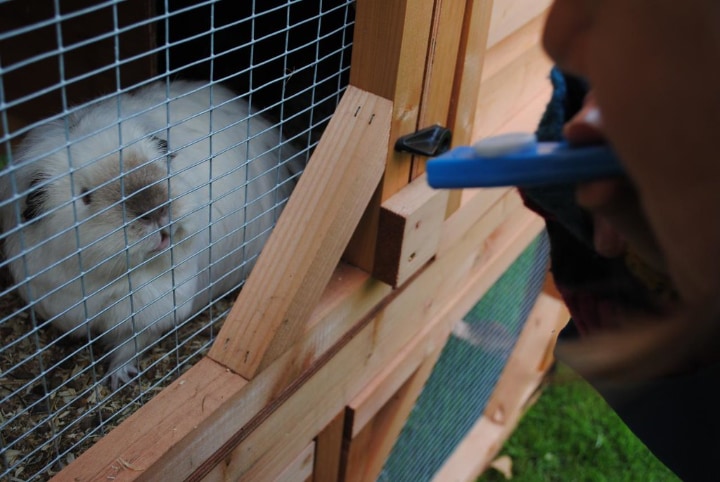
298 260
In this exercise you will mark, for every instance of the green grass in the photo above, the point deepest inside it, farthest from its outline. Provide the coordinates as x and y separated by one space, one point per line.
571 434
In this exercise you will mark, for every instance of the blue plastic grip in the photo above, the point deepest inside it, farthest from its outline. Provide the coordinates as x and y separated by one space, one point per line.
530 164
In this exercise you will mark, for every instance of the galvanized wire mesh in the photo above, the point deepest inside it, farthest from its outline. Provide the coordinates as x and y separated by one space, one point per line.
95 83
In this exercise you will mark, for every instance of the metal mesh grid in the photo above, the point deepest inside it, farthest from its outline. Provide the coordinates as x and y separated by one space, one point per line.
108 157
467 371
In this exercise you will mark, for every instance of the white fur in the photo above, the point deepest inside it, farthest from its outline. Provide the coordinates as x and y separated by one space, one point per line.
136 287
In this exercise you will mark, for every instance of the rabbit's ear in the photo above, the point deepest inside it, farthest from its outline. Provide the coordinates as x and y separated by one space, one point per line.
36 198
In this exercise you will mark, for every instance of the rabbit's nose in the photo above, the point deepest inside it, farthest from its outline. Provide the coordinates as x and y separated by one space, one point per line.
164 239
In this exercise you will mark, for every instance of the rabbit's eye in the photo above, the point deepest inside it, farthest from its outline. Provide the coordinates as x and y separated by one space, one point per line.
163 146
36 198
85 196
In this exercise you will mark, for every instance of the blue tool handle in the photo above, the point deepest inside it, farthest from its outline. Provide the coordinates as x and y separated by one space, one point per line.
521 162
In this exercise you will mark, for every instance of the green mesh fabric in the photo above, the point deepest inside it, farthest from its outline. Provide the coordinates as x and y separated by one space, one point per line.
467 371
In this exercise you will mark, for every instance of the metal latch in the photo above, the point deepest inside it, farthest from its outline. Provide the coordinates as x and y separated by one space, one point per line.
430 141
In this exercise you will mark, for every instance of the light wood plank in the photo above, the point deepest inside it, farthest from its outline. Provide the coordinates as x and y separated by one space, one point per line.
299 470
528 119
410 223
505 95
389 56
502 54
305 246
328 450
510 15
440 69
367 458
471 62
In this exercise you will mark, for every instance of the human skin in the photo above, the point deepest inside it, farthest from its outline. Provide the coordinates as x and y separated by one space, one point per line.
654 68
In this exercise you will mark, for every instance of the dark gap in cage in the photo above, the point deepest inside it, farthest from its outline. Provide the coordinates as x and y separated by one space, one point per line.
291 58
44 59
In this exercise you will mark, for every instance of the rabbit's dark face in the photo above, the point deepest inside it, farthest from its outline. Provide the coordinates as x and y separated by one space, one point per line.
124 207
117 208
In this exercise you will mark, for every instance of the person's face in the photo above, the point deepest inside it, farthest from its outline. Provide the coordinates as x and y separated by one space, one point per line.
654 69
654 66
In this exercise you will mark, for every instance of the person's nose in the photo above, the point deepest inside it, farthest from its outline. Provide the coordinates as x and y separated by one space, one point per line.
565 35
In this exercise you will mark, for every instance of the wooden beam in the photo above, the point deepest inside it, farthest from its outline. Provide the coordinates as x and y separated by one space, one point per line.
516 73
307 243
374 442
301 469
389 55
440 69
471 66
468 76
510 15
410 223
328 452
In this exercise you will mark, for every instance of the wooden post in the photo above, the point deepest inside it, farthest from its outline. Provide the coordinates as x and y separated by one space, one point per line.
389 56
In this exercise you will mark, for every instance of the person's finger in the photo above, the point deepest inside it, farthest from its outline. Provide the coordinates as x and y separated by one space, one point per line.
615 205
608 242
586 126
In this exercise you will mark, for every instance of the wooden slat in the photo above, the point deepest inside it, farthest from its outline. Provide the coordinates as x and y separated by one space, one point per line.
520 379
328 450
510 15
471 66
441 66
389 55
502 54
305 246
300 470
517 72
410 223
373 444
528 119
471 62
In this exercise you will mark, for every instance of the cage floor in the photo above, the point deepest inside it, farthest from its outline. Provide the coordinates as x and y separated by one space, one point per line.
83 393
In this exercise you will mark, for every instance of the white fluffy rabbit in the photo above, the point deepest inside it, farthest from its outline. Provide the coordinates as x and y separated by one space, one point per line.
129 216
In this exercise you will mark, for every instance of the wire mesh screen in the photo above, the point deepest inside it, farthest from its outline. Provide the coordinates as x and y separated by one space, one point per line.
148 147
467 371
